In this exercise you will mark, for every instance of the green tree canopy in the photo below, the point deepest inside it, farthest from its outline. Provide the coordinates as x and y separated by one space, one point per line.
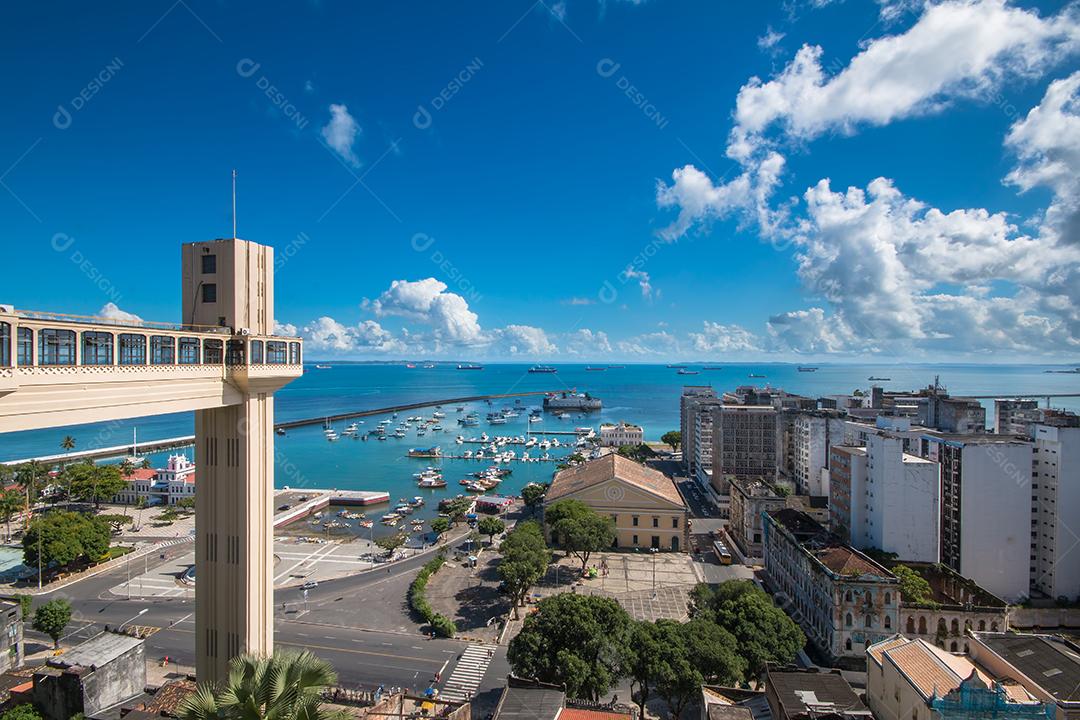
458 508
93 483
440 525
11 502
26 711
579 641
764 632
582 535
390 543
490 526
286 686
51 619
673 439
677 680
525 558
914 589
65 538
642 662
533 495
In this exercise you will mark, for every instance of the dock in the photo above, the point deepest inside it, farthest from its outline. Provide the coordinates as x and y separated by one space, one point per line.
316 500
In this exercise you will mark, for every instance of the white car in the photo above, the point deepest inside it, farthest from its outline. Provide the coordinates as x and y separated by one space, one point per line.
309 585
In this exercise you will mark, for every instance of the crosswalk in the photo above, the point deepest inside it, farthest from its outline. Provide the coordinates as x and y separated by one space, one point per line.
470 670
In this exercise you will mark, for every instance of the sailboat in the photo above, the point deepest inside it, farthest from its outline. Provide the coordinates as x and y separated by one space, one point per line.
134 458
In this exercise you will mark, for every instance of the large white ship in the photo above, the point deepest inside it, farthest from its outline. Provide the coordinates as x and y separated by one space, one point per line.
571 401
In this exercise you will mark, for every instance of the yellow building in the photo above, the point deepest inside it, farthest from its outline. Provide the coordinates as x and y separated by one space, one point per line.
647 509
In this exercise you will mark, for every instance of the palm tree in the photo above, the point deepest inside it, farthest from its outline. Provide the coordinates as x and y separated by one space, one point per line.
286 686
68 443
26 476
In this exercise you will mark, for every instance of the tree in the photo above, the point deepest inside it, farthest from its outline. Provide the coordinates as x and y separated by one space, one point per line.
579 641
714 652
65 537
286 686
390 543
26 476
67 444
763 632
92 483
140 505
440 525
914 589
677 680
673 439
11 502
490 526
525 558
51 619
638 453
26 711
585 534
641 662
145 464
126 467
533 495
458 508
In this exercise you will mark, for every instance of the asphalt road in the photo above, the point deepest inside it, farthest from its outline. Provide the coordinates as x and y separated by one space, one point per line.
358 623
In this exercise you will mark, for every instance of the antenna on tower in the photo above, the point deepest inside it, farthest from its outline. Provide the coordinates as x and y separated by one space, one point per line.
234 204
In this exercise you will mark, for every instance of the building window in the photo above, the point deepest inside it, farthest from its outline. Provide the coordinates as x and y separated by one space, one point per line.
276 352
212 352
635 540
656 522
910 625
869 621
132 349
888 598
675 523
234 354
97 348
256 352
5 344
189 351
209 264
847 644
209 292
162 350
634 520
982 625
294 353
656 541
25 342
888 622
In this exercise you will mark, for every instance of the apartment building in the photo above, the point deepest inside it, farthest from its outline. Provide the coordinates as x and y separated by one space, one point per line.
746 442
692 395
703 449
807 441
1011 415
1055 506
843 600
847 487
985 495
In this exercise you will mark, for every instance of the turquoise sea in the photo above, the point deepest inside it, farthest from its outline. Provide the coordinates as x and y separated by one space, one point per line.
644 394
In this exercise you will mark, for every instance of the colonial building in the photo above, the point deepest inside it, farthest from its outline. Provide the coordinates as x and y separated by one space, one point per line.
622 433
956 607
914 680
751 498
163 486
647 508
843 600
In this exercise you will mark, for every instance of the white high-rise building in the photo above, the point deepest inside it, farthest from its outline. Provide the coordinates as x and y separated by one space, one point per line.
810 441
901 501
1055 511
689 407
985 508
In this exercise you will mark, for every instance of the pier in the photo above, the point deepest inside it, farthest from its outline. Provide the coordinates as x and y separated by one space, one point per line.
152 446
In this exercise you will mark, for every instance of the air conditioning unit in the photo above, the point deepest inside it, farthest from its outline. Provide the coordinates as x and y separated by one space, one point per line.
244 331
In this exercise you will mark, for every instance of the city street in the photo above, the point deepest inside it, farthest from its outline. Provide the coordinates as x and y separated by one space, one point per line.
360 624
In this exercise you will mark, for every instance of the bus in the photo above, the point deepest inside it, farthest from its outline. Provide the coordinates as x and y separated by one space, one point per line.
722 553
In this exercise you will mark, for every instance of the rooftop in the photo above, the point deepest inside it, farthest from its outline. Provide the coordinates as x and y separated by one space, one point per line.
594 472
583 714
528 700
950 588
800 691
1049 661
825 547
97 651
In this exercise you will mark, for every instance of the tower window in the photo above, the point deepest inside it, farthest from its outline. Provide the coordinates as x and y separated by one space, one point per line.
209 264
209 292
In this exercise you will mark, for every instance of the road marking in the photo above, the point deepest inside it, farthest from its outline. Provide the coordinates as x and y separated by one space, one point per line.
361 652
468 673
325 550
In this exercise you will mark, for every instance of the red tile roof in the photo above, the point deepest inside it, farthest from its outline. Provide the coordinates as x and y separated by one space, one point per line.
141 474
579 714
613 465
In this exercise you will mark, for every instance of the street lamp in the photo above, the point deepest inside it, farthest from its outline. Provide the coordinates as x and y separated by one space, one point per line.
137 616
654 551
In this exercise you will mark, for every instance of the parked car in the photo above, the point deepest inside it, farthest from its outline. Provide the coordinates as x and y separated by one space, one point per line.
310 585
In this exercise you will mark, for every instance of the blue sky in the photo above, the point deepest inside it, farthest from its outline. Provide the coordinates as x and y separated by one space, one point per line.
564 180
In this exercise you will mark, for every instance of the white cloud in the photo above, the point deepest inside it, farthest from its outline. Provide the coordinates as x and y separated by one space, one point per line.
326 334
110 311
715 338
427 300
1047 144
657 344
809 331
527 340
643 280
957 49
769 41
340 133
585 342
285 329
